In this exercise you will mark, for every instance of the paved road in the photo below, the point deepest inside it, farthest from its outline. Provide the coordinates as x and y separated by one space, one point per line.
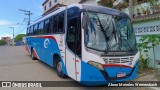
16 65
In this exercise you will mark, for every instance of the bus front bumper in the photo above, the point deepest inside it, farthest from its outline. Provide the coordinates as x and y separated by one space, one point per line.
93 76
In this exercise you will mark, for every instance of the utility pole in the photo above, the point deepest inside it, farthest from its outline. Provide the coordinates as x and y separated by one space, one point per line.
13 34
28 13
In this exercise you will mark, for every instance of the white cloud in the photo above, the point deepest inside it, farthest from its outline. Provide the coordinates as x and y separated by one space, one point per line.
6 23
5 35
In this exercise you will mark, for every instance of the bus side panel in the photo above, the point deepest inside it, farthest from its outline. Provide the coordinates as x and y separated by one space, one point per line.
46 47
27 48
60 50
29 43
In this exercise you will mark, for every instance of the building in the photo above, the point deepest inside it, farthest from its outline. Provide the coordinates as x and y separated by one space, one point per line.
11 42
146 21
7 39
92 2
50 5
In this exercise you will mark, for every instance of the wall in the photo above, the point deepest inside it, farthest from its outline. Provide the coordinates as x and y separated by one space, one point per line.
68 2
65 2
148 28
7 39
47 5
92 2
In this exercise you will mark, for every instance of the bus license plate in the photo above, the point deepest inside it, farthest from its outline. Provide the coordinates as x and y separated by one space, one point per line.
121 74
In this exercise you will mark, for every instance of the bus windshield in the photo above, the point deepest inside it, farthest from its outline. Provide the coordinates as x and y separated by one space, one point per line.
109 33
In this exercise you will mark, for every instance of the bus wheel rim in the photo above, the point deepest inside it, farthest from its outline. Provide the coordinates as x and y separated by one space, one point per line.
59 67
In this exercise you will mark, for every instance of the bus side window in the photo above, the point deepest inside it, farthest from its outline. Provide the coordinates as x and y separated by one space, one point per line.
46 26
50 25
78 39
72 43
71 34
61 23
41 24
38 29
35 29
31 30
55 24
27 32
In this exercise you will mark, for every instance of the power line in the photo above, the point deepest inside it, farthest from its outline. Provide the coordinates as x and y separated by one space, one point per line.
28 13
21 30
21 24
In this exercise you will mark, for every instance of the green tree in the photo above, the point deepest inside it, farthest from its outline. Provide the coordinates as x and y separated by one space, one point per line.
143 48
2 42
19 37
154 5
153 2
146 43
106 3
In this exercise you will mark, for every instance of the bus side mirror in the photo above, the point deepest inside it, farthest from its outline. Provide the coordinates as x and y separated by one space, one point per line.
85 19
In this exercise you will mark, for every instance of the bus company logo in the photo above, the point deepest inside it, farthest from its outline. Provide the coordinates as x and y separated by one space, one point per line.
6 84
46 43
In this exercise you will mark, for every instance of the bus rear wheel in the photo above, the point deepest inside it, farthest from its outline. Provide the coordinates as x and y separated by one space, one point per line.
59 70
32 55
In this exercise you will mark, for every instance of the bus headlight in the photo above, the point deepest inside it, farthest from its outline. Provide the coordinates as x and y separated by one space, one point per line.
97 65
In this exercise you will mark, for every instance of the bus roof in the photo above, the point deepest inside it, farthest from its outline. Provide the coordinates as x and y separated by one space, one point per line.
48 15
104 10
87 7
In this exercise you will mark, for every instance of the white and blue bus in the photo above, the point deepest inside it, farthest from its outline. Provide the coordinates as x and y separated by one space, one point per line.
87 43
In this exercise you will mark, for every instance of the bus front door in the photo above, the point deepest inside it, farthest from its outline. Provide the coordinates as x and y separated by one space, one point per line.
71 48
70 55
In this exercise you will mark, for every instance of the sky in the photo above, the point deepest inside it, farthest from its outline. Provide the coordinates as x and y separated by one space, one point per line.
10 15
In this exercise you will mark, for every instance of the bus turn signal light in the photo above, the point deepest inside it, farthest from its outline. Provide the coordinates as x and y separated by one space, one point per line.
97 65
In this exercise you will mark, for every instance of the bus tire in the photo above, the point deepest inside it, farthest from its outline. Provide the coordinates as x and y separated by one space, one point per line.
32 55
59 69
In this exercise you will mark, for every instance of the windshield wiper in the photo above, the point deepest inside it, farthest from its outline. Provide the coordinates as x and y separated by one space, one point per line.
106 37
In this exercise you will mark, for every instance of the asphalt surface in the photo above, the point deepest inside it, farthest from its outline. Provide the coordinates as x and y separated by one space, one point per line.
16 65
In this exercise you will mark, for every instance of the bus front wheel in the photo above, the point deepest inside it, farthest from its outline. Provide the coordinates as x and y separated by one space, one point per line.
59 69
32 55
